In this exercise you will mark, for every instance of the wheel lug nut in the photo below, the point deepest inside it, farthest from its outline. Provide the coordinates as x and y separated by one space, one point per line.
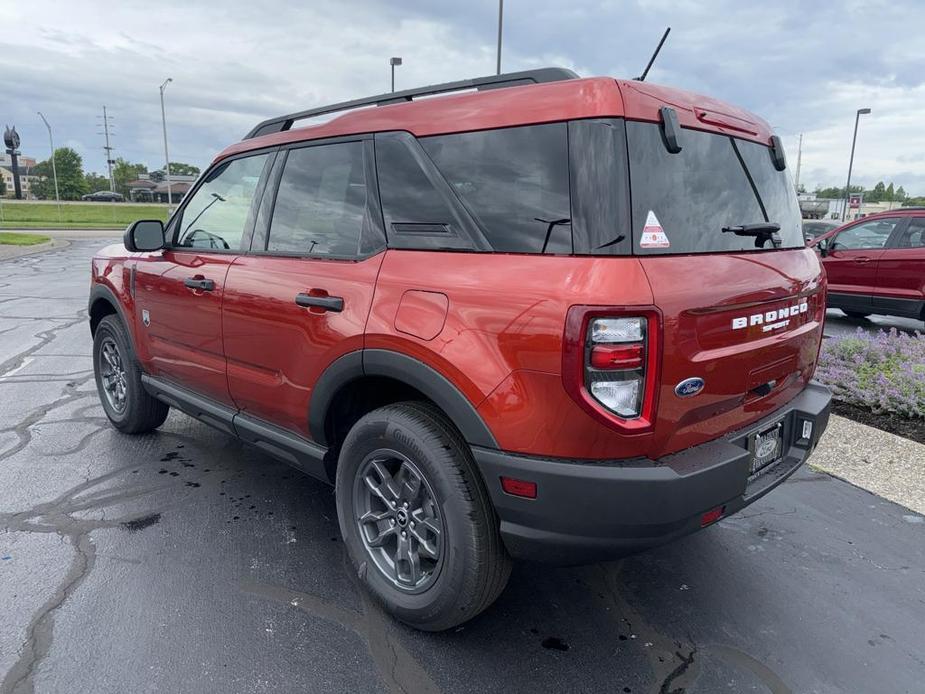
404 534
405 504
393 504
412 524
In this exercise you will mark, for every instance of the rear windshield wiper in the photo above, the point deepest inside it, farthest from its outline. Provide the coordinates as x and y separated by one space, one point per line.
763 232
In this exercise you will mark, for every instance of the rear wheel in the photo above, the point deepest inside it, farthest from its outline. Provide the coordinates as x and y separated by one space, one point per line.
855 314
416 519
127 404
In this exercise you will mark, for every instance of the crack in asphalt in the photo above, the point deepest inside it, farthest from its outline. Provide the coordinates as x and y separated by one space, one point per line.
399 670
57 517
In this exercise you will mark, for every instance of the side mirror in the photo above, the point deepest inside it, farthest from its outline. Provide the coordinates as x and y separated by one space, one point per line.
144 235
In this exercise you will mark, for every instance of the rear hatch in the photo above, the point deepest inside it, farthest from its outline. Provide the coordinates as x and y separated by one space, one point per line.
742 313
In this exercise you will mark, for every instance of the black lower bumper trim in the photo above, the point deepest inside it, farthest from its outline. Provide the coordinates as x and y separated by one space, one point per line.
593 511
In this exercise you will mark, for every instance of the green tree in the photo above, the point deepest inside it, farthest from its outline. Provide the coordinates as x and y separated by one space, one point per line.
96 182
836 192
181 169
71 181
877 194
890 193
900 193
123 172
2 187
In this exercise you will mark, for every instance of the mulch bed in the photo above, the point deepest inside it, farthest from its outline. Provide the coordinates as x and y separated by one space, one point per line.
913 429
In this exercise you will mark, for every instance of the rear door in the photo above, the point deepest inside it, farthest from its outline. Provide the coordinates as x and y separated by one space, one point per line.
900 284
300 298
179 290
853 257
738 312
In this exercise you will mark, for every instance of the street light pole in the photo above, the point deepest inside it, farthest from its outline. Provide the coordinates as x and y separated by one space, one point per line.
393 62
54 168
166 155
857 117
500 21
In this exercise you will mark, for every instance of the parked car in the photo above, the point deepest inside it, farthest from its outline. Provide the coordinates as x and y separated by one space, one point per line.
456 311
817 227
877 264
103 196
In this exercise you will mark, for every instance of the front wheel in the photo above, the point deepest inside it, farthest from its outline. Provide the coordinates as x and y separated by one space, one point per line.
127 404
416 519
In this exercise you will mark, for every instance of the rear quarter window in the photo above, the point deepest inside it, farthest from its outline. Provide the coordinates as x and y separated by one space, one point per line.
514 182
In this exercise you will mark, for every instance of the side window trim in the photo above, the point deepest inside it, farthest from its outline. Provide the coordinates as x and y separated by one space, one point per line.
469 232
176 219
898 232
372 239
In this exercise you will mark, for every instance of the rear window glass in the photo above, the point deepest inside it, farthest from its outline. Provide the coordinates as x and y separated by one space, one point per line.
514 182
682 201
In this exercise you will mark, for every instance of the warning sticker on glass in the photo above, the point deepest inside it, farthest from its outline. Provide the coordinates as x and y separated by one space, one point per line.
653 236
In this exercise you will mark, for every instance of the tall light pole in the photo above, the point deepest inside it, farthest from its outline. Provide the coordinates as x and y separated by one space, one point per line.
857 117
54 168
796 184
166 155
393 62
500 21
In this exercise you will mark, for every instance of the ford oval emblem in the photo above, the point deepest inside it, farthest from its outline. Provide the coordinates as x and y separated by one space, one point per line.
689 387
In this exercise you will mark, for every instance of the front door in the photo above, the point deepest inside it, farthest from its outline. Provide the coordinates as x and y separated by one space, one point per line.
301 297
853 255
179 290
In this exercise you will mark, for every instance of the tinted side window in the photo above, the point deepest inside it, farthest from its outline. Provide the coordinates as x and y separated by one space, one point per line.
873 234
321 201
408 196
514 182
221 209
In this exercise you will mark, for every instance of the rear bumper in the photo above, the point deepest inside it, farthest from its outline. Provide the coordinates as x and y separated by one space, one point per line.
592 511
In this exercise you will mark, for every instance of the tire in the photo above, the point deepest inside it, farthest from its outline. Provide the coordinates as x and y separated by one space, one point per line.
136 412
464 570
858 315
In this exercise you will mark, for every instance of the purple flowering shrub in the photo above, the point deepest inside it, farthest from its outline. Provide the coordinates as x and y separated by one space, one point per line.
882 372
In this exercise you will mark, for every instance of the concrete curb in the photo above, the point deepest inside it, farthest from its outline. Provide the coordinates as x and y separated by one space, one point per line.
11 252
882 463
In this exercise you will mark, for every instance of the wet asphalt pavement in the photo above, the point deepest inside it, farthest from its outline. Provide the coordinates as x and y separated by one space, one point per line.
183 561
838 324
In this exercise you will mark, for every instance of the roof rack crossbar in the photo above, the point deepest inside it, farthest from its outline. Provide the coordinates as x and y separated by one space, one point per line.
510 79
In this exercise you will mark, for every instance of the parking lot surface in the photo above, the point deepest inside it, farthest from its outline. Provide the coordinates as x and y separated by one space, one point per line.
838 324
183 561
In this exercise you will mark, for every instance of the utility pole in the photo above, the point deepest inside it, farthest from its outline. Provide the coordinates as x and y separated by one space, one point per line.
54 168
108 150
796 183
166 155
857 117
500 22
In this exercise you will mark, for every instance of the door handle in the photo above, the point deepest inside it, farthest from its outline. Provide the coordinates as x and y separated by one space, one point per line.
862 259
199 283
324 302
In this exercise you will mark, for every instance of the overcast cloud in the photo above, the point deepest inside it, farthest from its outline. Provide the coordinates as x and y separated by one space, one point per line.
805 67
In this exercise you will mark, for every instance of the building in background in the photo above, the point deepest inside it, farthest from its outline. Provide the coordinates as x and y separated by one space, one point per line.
147 189
26 178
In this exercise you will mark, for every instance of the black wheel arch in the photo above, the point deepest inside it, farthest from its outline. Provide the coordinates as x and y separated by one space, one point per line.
412 373
103 302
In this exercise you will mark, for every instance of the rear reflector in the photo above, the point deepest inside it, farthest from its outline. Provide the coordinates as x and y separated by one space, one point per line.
521 488
711 516
617 356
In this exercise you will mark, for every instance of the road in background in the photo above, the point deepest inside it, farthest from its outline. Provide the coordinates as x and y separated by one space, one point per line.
838 324
185 561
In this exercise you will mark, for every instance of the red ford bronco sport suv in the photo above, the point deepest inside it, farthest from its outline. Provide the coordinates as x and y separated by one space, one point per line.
545 318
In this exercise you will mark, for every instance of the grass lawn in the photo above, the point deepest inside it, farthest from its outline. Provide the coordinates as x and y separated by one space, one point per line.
84 215
11 239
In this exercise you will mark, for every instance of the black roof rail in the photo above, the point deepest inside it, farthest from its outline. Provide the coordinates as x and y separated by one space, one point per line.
509 79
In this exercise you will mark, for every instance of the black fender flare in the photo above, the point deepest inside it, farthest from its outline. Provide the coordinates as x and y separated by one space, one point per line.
408 370
100 292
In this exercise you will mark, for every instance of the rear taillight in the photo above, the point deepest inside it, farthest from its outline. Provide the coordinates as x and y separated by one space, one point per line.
609 363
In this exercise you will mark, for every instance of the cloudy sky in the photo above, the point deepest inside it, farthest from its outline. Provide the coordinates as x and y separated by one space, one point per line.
805 66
